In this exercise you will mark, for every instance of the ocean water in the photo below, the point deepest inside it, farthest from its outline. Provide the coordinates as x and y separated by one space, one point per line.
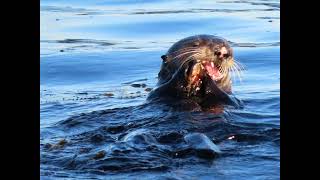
98 61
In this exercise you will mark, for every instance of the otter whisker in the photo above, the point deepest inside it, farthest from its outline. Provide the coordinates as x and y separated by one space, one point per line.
230 69
234 75
239 76
224 69
239 64
224 72
184 50
235 66
235 71
238 68
188 59
179 55
193 54
184 53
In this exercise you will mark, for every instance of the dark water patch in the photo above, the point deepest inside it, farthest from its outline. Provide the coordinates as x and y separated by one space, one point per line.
87 41
170 137
139 85
82 93
133 91
131 165
70 45
131 48
250 138
242 132
135 81
268 18
113 117
149 138
268 103
108 94
276 5
97 136
116 129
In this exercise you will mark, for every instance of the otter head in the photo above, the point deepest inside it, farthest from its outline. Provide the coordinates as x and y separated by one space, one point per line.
203 59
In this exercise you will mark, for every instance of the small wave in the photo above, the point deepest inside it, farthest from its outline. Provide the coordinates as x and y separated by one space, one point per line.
269 44
201 11
79 11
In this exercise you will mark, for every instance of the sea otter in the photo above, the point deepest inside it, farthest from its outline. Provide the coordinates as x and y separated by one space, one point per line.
197 70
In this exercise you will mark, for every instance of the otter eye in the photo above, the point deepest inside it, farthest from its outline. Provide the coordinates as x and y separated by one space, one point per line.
217 53
196 44
226 55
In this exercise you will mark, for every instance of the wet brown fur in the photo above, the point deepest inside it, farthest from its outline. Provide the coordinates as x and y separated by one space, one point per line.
207 45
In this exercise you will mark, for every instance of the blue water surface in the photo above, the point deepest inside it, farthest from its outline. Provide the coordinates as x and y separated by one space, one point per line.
92 51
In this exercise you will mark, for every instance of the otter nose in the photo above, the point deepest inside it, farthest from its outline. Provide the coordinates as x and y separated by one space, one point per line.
222 53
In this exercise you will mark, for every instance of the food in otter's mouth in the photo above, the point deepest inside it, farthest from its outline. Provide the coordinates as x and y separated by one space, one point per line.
209 67
212 70
201 67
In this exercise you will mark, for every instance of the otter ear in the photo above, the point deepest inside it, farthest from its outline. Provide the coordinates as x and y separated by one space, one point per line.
164 58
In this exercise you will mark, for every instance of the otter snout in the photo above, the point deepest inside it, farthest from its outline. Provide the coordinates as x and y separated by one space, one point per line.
222 53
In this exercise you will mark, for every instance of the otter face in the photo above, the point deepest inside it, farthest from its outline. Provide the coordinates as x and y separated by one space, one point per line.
206 55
